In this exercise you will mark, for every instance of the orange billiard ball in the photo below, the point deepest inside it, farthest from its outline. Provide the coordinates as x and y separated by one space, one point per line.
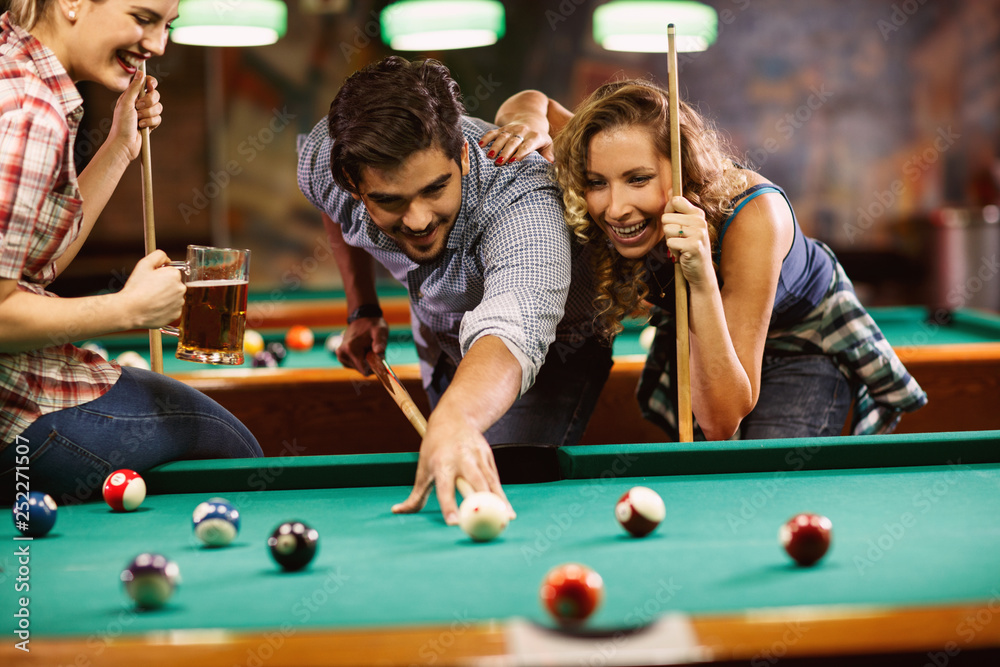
299 338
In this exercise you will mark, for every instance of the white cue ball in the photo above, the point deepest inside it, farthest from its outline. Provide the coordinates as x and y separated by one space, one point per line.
483 516
640 510
646 338
133 359
333 342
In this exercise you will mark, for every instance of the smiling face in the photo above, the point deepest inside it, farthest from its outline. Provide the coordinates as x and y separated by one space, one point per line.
627 186
110 38
417 203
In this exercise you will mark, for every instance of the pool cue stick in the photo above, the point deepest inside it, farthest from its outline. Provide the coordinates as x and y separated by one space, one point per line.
405 402
149 228
684 418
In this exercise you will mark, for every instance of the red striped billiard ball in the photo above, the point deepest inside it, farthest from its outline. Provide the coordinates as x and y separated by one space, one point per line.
571 593
124 490
640 510
806 537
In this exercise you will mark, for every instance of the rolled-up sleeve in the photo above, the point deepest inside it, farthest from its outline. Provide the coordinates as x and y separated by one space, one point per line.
526 271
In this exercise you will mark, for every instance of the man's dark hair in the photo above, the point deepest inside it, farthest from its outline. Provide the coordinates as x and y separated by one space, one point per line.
390 110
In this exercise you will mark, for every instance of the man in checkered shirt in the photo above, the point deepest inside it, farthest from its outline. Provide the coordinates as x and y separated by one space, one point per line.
500 296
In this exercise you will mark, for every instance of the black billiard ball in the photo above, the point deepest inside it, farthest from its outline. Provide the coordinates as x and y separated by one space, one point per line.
806 537
264 359
293 545
277 350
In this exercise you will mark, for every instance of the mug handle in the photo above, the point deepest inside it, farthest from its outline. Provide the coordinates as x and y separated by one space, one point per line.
183 267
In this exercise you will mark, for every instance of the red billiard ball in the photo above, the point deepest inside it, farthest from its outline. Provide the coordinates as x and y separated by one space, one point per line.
299 338
806 537
640 510
124 490
571 593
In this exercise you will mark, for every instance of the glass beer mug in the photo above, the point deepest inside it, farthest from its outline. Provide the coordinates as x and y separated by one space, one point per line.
215 305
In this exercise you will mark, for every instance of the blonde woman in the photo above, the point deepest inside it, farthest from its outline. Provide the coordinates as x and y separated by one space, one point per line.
68 415
780 345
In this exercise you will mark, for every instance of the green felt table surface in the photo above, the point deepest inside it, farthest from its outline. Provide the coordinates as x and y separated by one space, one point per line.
924 531
902 326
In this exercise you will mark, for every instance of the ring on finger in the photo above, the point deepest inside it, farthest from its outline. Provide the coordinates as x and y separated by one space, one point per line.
518 136
680 231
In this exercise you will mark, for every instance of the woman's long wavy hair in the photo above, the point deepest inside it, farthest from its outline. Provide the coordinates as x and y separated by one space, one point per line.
710 180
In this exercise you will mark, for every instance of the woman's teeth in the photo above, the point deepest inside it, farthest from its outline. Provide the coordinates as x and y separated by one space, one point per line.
632 231
129 59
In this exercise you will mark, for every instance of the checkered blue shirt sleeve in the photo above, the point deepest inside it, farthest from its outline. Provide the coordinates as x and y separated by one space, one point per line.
525 254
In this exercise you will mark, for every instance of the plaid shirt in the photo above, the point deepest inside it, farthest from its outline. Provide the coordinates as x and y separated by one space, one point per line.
509 269
839 327
40 216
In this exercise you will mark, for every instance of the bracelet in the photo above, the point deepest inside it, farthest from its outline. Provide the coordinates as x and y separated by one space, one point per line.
366 310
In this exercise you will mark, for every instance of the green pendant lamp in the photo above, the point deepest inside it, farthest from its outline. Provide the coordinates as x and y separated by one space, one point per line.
433 25
641 25
230 22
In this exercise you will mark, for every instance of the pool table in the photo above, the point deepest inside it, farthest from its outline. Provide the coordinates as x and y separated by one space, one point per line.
314 406
912 576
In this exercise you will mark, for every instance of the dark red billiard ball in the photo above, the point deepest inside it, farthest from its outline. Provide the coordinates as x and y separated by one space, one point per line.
124 490
299 338
806 537
640 510
571 592
293 545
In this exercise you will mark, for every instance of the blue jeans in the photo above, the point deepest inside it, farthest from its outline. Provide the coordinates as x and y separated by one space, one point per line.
556 409
800 397
144 420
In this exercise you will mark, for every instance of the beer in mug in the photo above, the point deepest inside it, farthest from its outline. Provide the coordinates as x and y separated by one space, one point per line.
215 305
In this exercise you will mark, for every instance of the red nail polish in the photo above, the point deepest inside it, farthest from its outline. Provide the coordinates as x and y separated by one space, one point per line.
499 161
490 154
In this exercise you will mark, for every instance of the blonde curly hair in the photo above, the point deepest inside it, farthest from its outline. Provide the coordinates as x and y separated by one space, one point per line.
710 180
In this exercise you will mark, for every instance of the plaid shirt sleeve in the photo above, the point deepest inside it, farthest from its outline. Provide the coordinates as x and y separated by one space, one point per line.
28 149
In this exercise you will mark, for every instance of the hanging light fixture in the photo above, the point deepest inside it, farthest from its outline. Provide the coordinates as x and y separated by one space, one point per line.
641 25
426 25
230 22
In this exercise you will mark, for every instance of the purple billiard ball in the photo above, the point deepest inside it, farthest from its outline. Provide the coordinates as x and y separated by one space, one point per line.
150 579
